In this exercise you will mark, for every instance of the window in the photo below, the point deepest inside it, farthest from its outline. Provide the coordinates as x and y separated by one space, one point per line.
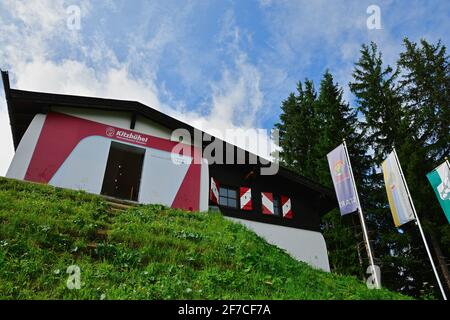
228 197
276 205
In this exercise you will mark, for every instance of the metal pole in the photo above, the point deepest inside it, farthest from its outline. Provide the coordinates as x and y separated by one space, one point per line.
361 217
419 225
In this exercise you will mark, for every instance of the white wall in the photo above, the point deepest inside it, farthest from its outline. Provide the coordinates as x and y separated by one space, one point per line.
19 164
147 126
161 179
204 186
85 167
303 245
117 119
111 118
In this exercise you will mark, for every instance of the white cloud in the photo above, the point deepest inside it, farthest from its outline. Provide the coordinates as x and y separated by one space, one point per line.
265 3
237 96
235 86
94 70
74 77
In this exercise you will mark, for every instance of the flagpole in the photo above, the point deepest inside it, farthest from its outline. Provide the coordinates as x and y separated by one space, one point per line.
420 226
361 217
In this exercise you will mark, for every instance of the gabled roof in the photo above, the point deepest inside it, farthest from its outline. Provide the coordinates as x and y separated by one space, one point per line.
24 105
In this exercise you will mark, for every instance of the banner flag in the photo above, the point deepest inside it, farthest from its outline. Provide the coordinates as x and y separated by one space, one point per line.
401 208
214 191
343 184
440 181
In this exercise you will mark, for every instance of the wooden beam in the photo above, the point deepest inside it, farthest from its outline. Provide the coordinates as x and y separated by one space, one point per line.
133 121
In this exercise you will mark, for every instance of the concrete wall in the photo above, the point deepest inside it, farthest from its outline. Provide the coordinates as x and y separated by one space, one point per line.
303 245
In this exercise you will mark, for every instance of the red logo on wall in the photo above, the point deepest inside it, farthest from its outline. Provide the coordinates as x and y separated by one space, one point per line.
110 132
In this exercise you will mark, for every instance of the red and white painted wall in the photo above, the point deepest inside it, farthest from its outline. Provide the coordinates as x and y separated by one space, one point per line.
69 148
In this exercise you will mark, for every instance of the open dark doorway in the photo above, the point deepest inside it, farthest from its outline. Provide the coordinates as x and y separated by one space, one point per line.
123 171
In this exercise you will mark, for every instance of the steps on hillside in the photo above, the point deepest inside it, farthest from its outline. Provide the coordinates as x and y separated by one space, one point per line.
116 206
123 202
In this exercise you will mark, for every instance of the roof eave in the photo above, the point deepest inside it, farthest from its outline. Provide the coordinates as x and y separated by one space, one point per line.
7 90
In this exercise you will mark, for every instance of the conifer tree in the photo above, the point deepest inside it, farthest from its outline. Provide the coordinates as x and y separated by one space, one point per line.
426 95
387 122
337 121
406 107
297 129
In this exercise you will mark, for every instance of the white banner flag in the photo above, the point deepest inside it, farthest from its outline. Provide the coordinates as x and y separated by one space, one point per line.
401 208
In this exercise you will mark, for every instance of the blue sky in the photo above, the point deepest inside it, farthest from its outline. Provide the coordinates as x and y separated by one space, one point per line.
218 64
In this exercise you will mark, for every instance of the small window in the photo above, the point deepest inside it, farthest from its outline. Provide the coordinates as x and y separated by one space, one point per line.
276 205
228 197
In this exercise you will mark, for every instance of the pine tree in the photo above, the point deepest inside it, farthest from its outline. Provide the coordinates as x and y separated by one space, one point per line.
287 133
338 121
378 99
407 107
297 129
310 127
387 122
426 94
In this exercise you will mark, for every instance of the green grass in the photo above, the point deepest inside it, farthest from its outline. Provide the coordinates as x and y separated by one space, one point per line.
148 252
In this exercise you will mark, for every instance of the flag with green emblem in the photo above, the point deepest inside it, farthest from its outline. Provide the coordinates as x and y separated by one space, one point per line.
440 181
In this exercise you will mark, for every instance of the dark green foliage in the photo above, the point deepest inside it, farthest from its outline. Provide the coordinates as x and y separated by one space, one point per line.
298 129
426 93
379 101
326 120
407 107
406 112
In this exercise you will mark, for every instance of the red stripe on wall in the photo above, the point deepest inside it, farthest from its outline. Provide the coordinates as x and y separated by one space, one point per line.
269 196
57 140
188 194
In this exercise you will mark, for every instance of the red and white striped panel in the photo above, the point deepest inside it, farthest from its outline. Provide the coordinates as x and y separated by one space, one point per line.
246 198
286 207
267 202
214 192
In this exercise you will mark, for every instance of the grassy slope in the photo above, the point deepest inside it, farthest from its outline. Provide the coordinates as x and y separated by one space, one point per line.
149 252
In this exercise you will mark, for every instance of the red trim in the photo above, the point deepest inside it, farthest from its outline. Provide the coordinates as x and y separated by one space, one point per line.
266 210
189 192
212 196
248 205
286 215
